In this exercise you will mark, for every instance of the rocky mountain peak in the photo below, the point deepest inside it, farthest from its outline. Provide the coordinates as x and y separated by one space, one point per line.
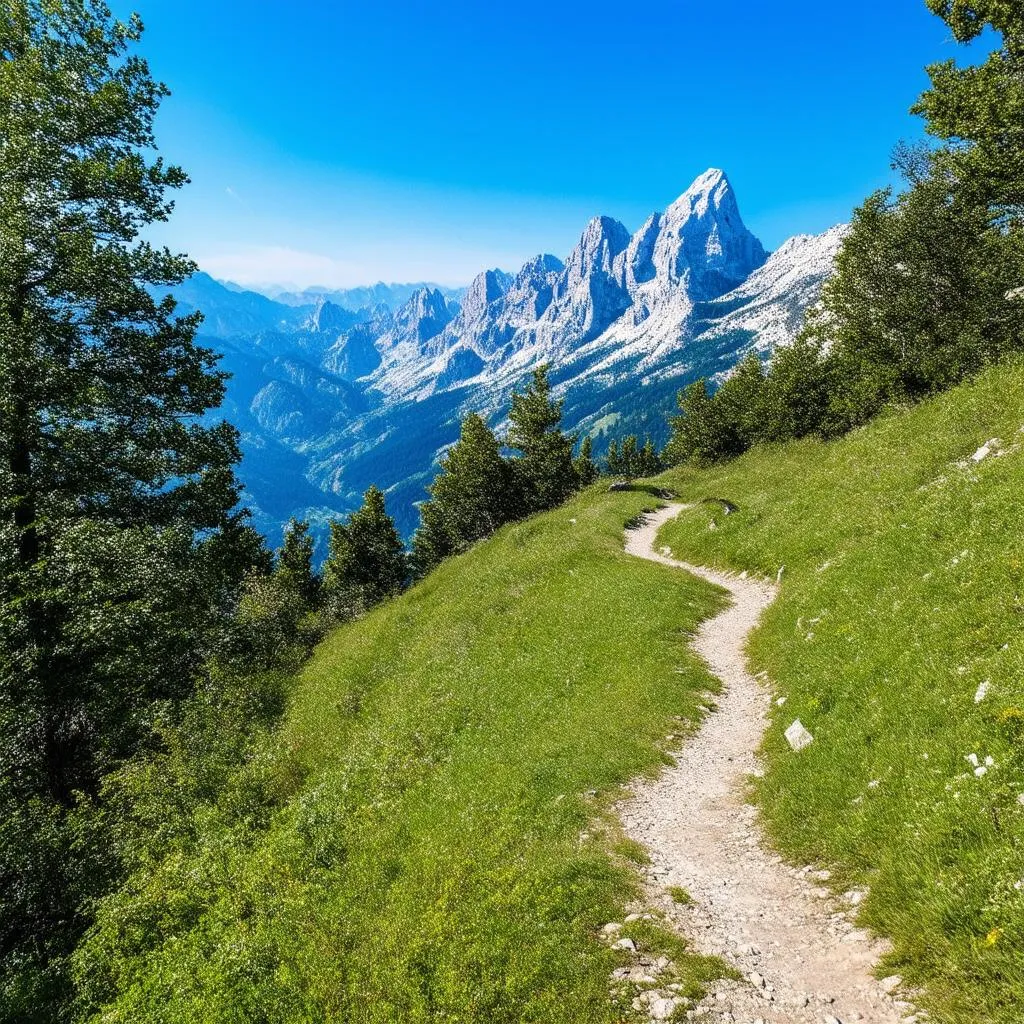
484 289
327 317
703 244
425 314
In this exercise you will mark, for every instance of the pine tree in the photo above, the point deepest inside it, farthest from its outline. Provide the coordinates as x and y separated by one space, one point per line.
739 400
295 563
476 489
432 541
366 561
649 462
700 434
628 457
586 471
101 387
614 459
545 470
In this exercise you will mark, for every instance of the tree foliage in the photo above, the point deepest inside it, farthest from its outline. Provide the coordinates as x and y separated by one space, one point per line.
545 471
366 562
108 470
632 459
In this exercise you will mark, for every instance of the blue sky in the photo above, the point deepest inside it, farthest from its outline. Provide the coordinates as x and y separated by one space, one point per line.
343 143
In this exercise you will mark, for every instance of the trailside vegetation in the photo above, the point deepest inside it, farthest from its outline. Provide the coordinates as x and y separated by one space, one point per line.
896 640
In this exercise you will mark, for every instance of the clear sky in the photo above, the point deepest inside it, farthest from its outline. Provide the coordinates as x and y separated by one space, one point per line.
341 143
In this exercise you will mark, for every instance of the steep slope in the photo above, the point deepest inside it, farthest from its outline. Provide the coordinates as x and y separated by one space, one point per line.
897 641
435 848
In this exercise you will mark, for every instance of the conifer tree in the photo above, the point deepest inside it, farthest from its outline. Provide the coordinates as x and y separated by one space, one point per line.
700 434
614 459
586 471
366 561
545 470
474 494
295 563
628 457
475 488
432 542
649 462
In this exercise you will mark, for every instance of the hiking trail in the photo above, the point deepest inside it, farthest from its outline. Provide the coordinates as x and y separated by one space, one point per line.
802 959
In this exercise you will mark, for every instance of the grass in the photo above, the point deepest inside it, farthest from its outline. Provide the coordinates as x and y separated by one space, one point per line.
679 895
902 594
445 852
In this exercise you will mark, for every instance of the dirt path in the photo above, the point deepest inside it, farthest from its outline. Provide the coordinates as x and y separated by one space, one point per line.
802 959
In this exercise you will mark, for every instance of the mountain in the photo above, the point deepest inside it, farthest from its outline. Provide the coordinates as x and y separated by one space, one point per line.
356 299
337 399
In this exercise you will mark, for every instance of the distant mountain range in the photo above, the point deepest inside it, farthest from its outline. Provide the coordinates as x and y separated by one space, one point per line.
366 297
331 398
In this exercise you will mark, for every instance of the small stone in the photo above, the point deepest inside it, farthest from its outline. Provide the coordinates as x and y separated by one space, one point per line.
892 982
662 1009
757 980
630 918
798 737
985 450
625 944
611 928
779 703
832 1020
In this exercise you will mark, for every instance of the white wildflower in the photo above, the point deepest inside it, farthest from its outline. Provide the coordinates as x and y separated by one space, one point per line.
973 758
982 691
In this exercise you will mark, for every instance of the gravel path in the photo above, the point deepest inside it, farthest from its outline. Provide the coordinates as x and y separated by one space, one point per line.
801 957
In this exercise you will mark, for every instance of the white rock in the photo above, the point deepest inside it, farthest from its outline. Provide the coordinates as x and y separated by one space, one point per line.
662 1009
985 450
981 692
612 927
625 944
1020 799
798 737
779 703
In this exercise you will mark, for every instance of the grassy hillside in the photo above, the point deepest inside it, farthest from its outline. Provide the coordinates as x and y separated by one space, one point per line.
898 640
446 758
